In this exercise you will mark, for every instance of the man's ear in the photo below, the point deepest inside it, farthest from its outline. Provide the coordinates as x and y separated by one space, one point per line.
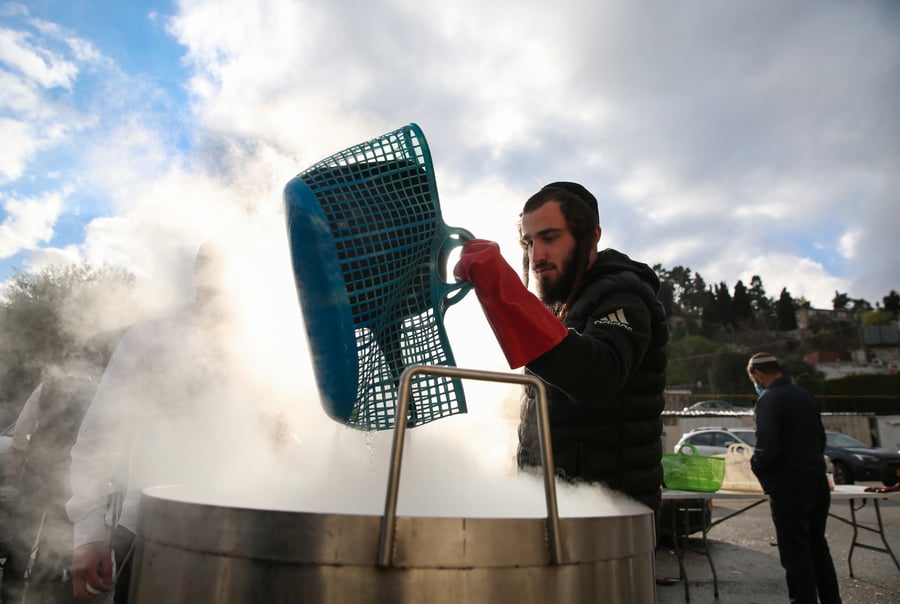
597 235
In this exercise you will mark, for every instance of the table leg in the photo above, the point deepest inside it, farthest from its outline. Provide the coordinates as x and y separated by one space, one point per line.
679 553
682 547
857 527
709 557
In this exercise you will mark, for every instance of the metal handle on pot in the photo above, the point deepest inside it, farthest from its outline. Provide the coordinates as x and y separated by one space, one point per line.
389 520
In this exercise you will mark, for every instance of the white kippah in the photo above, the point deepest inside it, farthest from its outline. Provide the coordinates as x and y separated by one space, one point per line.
765 359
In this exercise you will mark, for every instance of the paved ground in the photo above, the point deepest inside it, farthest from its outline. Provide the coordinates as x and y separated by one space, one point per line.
746 560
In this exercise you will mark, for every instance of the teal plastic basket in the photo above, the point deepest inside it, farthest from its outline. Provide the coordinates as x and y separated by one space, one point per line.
369 250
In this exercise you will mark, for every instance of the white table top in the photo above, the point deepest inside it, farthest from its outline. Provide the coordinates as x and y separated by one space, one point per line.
840 491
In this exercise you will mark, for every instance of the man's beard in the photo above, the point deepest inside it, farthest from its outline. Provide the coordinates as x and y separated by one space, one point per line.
557 291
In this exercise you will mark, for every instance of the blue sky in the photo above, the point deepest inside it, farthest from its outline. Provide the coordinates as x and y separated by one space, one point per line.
737 139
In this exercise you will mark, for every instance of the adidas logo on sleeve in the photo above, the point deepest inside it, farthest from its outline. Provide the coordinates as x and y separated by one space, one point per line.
615 318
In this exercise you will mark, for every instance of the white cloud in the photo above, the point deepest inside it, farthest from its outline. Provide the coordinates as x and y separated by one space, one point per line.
713 134
848 243
53 256
803 278
18 147
34 114
27 222
19 95
39 64
736 130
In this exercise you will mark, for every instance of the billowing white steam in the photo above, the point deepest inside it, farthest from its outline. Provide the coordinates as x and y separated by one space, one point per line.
276 449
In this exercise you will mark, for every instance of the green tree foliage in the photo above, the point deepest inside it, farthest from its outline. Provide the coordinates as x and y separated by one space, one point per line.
785 312
855 393
667 297
840 301
689 360
713 333
725 305
742 306
859 305
46 314
728 372
892 303
680 278
875 318
758 298
710 313
695 296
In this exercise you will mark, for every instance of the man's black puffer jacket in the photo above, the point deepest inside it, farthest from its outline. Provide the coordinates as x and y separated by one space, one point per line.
605 383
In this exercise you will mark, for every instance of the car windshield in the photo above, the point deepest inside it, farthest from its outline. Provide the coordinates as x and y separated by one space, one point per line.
842 441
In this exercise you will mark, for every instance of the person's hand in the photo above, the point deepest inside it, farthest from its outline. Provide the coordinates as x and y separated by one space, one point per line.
478 261
92 571
880 489
524 327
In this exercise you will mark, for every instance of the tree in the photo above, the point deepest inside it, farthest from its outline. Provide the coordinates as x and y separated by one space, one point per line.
875 318
762 305
728 372
892 303
681 284
758 298
47 313
743 309
785 312
667 297
689 360
694 297
725 305
859 305
840 301
710 312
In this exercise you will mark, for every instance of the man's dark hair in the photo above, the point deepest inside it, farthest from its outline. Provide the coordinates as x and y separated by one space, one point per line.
579 208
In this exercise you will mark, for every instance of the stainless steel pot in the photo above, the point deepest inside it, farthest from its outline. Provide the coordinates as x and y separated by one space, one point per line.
202 553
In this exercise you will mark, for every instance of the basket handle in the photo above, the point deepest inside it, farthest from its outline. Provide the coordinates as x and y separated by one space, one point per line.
739 448
448 240
389 520
689 447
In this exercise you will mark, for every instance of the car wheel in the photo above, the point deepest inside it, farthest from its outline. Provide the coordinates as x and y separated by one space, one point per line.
842 473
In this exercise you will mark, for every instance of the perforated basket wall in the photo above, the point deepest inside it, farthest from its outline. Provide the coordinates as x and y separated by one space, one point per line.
369 249
687 470
739 474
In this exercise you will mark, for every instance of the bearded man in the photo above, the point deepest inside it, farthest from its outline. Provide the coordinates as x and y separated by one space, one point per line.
596 335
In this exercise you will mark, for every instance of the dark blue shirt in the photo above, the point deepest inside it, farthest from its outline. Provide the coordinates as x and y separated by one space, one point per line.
790 437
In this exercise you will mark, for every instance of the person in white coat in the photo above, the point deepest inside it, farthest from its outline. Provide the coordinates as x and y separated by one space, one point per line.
162 382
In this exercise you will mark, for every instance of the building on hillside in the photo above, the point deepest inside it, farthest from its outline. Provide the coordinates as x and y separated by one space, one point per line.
877 350
808 317
827 356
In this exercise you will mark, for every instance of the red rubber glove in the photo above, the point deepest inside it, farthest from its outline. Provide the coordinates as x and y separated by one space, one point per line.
524 327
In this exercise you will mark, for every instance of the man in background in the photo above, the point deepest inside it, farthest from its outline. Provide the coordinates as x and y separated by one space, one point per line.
789 461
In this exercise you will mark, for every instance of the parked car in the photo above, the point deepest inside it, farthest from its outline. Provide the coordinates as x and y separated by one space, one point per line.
715 440
854 460
713 406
